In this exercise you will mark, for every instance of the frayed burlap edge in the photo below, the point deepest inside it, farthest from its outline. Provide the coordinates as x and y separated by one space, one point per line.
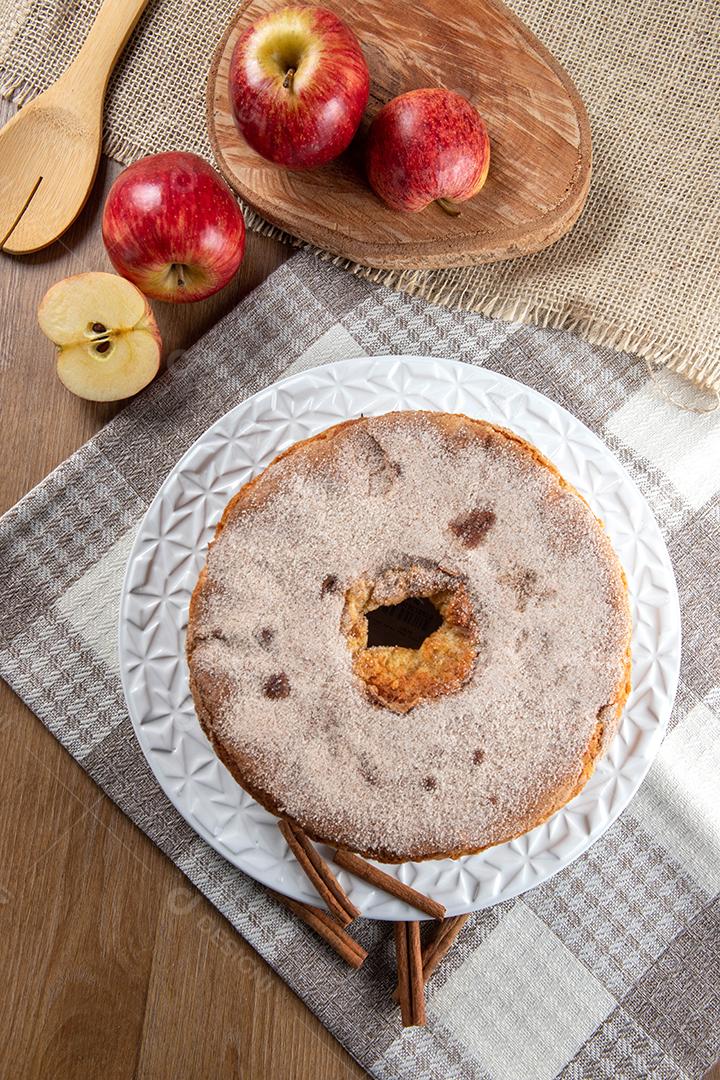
16 91
689 364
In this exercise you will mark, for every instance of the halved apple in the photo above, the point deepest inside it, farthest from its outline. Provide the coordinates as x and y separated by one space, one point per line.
108 342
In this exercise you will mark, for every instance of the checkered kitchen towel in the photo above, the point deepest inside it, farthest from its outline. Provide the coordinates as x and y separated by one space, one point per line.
612 968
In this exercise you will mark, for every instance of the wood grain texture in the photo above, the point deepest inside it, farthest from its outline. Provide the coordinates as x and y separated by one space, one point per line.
112 963
50 150
540 139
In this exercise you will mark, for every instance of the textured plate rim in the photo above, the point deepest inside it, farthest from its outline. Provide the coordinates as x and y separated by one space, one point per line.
392 909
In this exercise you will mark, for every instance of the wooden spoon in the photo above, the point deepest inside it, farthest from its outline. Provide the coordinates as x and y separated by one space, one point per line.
49 151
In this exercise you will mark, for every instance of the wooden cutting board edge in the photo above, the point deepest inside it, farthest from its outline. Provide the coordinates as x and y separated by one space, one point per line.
433 254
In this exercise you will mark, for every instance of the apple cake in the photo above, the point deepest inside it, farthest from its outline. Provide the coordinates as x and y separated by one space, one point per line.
411 636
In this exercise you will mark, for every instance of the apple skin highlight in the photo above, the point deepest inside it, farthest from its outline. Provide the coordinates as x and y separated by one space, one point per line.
172 226
298 85
424 146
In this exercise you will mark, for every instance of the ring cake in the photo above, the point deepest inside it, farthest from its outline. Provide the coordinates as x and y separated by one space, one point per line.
411 637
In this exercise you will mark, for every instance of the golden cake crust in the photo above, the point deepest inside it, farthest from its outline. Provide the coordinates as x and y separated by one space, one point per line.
385 676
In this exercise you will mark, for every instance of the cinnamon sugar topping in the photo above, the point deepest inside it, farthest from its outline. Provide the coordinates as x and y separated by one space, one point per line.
507 746
329 585
472 528
277 686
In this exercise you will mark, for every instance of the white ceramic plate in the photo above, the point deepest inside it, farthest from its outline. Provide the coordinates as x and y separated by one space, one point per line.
170 550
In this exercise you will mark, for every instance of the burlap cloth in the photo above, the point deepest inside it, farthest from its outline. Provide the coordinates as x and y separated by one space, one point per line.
610 970
640 271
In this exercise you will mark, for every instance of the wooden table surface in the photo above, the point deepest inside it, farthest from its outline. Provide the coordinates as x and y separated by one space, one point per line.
113 965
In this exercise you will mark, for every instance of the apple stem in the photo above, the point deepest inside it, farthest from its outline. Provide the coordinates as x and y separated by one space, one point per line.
178 269
449 207
288 80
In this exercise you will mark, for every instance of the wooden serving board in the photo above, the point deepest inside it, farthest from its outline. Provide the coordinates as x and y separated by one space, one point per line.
539 133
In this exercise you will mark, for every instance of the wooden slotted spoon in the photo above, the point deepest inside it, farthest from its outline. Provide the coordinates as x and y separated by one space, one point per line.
49 151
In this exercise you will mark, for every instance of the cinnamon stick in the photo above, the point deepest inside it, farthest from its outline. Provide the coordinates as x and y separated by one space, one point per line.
391 885
325 872
319 921
438 948
411 988
403 973
417 982
319 873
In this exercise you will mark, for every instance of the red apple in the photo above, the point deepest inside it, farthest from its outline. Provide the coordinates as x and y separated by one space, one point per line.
427 146
172 226
298 84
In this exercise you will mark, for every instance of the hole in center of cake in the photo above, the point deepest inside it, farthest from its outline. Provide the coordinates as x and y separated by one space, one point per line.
407 624
412 634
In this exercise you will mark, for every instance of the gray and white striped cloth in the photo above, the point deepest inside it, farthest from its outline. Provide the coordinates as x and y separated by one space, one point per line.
612 968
